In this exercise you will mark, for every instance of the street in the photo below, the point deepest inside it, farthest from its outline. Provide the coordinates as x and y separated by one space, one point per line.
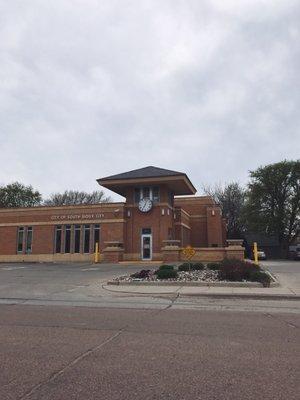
87 353
63 336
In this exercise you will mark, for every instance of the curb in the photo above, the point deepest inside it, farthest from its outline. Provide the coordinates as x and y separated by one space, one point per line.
254 296
244 296
248 296
188 284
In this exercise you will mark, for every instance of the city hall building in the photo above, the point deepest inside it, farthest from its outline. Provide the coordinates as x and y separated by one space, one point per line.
159 217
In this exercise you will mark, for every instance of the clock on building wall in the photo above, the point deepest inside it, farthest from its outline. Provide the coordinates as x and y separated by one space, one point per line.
145 205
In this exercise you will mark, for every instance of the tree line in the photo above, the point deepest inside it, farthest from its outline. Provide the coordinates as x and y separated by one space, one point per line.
18 195
269 204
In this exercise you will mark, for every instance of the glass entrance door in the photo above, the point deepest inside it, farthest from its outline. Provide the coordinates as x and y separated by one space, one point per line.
147 247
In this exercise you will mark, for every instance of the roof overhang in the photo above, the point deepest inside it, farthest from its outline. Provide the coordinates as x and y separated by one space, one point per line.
178 184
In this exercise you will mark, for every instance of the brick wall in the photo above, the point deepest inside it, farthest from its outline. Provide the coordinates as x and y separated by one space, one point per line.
194 224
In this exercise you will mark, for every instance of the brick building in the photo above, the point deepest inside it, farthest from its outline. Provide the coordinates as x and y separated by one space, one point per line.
159 216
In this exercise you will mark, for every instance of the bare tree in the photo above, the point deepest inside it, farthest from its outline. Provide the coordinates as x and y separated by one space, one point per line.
231 198
75 197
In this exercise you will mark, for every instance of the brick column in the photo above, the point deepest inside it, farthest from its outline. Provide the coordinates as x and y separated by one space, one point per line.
113 252
235 249
171 251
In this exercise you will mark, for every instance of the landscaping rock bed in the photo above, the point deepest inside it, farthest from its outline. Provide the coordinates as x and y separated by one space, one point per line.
182 276
227 272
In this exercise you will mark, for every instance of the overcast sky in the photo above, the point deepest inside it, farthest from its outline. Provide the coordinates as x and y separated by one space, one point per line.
91 88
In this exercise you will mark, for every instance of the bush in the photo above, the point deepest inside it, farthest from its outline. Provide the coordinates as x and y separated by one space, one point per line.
190 266
144 273
262 277
166 273
213 266
185 267
198 266
237 270
165 267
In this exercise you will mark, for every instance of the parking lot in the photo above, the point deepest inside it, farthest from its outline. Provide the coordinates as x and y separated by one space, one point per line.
83 285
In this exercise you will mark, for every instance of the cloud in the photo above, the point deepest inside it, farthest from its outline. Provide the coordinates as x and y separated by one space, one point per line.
91 88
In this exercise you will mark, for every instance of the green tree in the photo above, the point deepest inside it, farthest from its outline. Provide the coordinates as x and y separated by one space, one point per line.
231 199
18 195
74 197
273 201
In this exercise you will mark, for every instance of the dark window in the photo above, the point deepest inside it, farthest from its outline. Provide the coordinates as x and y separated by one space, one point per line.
155 194
58 239
68 239
96 235
146 193
87 234
214 245
137 195
29 240
146 231
20 240
77 239
171 198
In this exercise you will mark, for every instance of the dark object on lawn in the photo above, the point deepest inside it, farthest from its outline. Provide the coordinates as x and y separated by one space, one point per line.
144 273
165 266
166 273
191 267
213 266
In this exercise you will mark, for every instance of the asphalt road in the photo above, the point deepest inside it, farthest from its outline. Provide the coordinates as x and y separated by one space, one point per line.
139 347
57 353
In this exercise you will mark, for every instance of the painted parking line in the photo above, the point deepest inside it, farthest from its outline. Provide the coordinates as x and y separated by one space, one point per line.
90 269
11 268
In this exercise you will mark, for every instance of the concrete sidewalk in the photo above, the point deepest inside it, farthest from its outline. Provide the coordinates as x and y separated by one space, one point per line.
248 292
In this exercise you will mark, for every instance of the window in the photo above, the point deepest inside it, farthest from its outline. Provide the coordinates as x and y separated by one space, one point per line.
96 235
155 194
146 231
68 239
137 195
20 240
77 238
171 198
147 192
58 232
29 240
86 245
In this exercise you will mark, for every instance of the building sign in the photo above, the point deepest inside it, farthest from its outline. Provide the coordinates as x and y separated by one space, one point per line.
76 217
189 252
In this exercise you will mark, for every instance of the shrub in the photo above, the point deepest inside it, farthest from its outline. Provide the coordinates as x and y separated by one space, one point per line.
198 266
190 266
262 277
213 266
237 270
185 267
164 267
166 273
144 273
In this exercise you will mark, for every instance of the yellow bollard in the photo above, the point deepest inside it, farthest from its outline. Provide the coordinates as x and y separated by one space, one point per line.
96 252
255 253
